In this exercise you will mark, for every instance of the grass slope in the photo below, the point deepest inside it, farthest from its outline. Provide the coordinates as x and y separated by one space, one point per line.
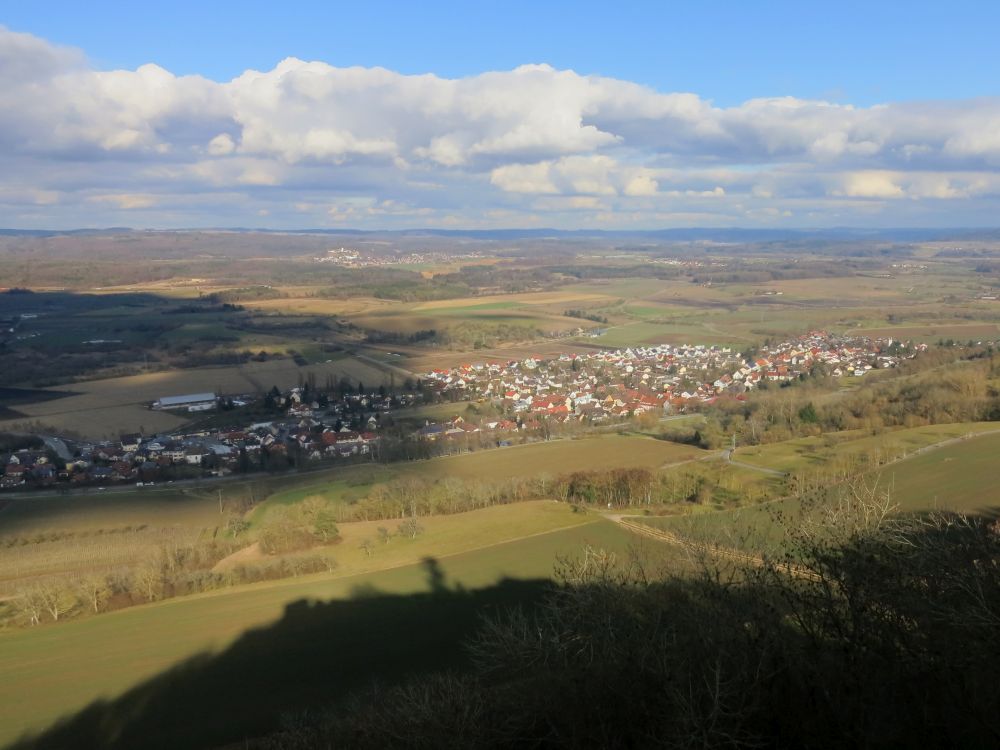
551 458
50 672
801 453
959 477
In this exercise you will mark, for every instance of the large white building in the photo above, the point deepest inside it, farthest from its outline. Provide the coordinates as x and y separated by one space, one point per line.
191 402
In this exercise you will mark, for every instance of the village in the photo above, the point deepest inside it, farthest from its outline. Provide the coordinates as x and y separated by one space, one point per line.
350 258
527 398
624 383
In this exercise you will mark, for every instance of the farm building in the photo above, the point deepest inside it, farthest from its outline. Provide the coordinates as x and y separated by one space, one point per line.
191 402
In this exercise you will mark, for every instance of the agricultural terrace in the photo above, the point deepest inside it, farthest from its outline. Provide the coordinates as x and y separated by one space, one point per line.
100 657
533 314
925 303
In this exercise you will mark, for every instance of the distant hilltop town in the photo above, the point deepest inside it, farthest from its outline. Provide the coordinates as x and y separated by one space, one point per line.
349 258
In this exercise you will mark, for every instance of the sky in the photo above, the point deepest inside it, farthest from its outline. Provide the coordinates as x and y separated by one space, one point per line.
481 115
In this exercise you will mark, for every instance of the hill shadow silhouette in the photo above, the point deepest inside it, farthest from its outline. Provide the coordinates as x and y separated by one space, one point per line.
315 654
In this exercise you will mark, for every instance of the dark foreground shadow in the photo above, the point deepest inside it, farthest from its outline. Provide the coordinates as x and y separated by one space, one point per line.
316 653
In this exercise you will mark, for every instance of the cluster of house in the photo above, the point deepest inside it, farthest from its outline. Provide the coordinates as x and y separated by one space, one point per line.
24 465
349 258
527 394
147 459
607 385
839 356
305 431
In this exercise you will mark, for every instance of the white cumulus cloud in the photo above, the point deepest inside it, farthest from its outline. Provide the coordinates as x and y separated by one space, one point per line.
363 143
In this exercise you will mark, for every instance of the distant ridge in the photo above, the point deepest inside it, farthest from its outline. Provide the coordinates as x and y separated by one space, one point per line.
690 234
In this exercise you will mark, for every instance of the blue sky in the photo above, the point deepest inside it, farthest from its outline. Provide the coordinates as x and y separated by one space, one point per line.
648 115
862 52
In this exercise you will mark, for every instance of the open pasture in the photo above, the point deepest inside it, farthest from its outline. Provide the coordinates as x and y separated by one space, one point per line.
535 310
441 536
803 453
936 331
426 359
560 457
630 288
568 296
963 477
297 305
958 477
553 458
744 312
650 333
101 422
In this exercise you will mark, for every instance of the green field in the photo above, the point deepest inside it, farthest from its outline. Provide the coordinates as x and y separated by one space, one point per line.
552 458
560 457
635 334
803 453
959 477
52 671
442 535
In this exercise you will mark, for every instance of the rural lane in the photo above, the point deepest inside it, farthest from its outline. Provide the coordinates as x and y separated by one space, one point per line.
728 454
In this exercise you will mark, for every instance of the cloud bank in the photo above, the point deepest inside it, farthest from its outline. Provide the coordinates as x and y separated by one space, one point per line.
309 144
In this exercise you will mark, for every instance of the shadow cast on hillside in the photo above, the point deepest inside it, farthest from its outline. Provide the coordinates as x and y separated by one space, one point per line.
314 655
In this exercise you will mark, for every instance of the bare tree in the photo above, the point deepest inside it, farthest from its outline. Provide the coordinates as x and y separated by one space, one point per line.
411 528
30 604
94 589
149 578
368 547
55 598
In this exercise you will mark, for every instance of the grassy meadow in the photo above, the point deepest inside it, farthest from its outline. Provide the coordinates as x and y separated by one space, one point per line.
960 476
804 453
551 459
